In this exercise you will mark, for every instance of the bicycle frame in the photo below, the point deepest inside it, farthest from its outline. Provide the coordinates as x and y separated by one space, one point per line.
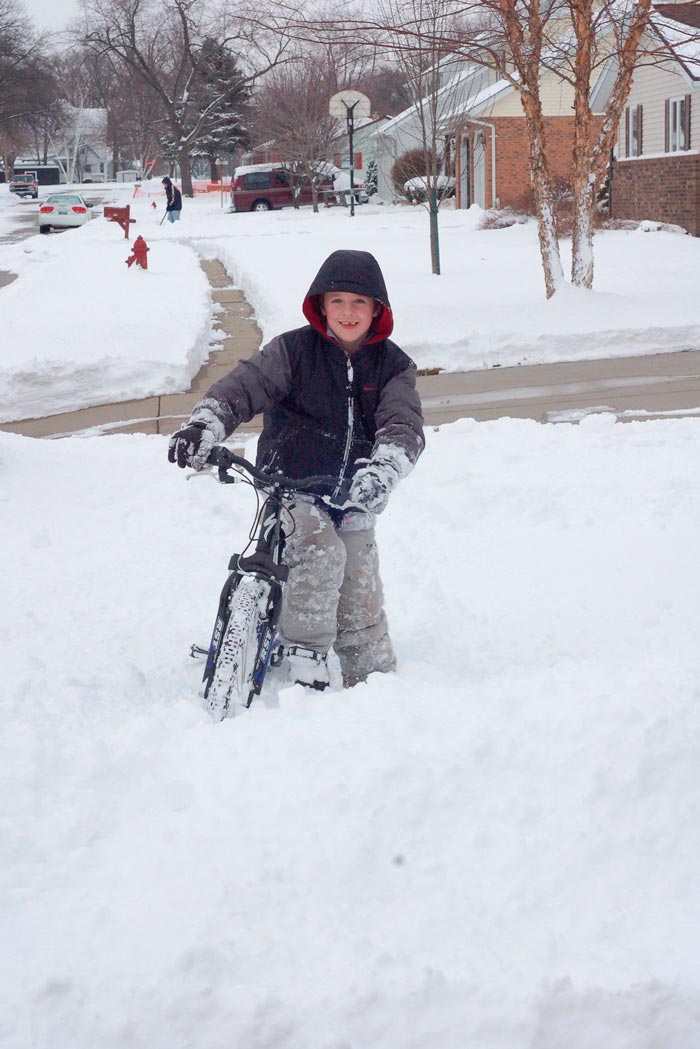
243 640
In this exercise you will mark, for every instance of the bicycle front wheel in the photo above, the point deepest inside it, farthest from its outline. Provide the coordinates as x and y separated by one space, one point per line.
232 683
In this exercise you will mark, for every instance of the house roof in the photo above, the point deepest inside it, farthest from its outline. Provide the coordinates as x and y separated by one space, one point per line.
476 102
687 14
360 125
452 83
678 26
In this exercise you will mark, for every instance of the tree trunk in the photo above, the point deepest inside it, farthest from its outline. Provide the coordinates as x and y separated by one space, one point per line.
434 231
582 233
592 151
583 178
213 169
544 198
185 172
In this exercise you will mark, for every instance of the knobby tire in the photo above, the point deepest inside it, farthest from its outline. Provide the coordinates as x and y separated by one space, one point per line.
232 683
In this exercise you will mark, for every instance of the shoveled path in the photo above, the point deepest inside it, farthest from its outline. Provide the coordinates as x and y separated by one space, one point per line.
631 387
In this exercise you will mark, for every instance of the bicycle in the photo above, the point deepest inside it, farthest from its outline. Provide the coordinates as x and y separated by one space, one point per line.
244 641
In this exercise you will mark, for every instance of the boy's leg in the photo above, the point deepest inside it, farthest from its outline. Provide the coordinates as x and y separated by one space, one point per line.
316 559
363 644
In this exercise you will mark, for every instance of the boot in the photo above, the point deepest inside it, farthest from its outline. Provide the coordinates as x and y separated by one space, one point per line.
307 667
357 662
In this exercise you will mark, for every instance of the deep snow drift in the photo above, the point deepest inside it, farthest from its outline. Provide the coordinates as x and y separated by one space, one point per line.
496 847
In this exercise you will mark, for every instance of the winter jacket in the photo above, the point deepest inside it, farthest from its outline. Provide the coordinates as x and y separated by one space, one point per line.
325 412
173 196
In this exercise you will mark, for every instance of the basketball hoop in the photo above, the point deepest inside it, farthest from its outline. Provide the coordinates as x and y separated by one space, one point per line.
349 104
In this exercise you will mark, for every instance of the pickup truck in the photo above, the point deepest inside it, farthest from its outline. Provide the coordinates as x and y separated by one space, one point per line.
25 185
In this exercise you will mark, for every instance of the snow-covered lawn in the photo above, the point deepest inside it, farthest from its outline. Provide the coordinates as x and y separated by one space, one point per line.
497 847
487 308
81 328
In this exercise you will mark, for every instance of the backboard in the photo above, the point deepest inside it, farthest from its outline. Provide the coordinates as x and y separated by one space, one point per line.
340 104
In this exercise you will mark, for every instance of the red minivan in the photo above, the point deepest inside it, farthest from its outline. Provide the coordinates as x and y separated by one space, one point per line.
263 188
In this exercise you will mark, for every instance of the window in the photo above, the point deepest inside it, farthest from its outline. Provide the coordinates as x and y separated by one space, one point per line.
677 124
258 180
633 131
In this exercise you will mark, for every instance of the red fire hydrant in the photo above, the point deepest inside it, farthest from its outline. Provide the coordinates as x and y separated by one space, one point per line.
139 254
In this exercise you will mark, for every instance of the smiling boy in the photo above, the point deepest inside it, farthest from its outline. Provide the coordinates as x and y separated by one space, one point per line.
340 400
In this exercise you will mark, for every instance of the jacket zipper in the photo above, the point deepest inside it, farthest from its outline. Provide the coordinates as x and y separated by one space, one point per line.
348 439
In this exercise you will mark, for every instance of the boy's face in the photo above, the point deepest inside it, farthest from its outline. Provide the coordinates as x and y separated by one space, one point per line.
349 317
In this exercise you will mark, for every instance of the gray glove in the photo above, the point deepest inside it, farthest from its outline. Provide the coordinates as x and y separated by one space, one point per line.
372 485
191 446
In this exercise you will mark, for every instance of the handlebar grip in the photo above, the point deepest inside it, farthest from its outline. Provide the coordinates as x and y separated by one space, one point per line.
224 458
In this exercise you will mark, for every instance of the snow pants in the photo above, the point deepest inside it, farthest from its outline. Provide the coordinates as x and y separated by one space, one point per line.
334 595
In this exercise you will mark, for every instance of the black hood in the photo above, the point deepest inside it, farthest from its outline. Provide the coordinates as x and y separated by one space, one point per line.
352 271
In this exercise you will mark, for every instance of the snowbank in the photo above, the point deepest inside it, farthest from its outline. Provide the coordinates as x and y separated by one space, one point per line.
496 847
487 308
81 328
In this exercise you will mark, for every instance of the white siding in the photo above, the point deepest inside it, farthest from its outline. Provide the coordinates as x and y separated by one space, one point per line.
651 86
557 101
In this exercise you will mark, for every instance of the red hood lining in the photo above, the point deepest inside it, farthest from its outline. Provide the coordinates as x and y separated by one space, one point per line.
382 325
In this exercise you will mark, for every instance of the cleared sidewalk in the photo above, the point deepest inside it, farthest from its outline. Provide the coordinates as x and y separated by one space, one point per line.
631 387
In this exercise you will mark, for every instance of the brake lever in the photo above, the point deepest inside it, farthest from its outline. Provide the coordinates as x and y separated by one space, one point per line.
208 472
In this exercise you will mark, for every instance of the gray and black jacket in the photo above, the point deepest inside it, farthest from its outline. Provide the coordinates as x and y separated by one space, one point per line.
325 413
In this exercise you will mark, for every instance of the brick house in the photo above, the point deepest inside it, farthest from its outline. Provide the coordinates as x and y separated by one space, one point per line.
491 144
656 173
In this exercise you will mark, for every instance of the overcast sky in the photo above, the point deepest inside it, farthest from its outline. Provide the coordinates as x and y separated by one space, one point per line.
51 14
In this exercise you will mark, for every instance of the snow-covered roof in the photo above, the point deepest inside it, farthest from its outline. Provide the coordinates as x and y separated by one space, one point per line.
476 102
681 34
360 125
455 82
90 118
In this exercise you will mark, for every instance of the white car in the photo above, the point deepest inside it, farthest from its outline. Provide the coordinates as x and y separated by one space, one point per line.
61 210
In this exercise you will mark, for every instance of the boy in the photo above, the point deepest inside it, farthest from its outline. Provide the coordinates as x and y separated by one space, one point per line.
339 399
173 198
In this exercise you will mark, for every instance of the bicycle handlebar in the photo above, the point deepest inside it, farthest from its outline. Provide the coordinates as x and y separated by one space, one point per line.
224 459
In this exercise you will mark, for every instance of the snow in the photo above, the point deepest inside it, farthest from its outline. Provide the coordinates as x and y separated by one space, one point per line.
81 328
487 308
497 846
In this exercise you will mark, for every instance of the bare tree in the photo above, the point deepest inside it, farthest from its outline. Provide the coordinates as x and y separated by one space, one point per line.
160 42
521 40
428 70
385 85
292 111
22 61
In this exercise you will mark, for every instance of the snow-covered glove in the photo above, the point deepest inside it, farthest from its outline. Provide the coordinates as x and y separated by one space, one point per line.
372 485
191 445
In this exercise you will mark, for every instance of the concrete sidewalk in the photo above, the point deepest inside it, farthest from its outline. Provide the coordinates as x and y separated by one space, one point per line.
165 413
630 387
